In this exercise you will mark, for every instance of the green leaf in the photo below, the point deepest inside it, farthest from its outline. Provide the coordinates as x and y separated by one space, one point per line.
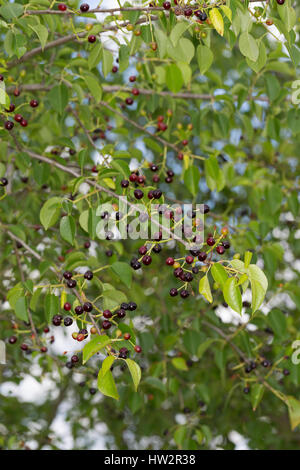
124 272
11 10
205 58
135 372
248 46
294 411
107 62
95 345
174 78
59 98
204 289
50 212
215 178
21 309
232 295
256 274
248 257
219 274
106 383
51 306
94 86
191 179
179 363
42 33
67 229
258 295
217 20
256 394
95 56
178 30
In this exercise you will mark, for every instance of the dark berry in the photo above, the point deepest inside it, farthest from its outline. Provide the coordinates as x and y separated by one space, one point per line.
173 292
71 283
157 193
226 244
67 275
88 275
56 320
189 259
138 194
132 306
87 245
24 347
93 391
184 293
92 38
114 69
8 125
106 325
12 340
170 261
129 101
201 15
75 359
87 307
43 349
137 348
84 7
188 12
246 390
3 181
124 183
121 313
202 256
157 249
68 321
285 371
210 241
79 310
167 5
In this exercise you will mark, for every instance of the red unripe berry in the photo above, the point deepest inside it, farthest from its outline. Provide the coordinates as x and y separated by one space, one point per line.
170 261
80 337
132 78
133 177
137 348
220 249
107 314
210 241
135 91
34 103
189 259
18 117
67 306
62 7
43 349
23 123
